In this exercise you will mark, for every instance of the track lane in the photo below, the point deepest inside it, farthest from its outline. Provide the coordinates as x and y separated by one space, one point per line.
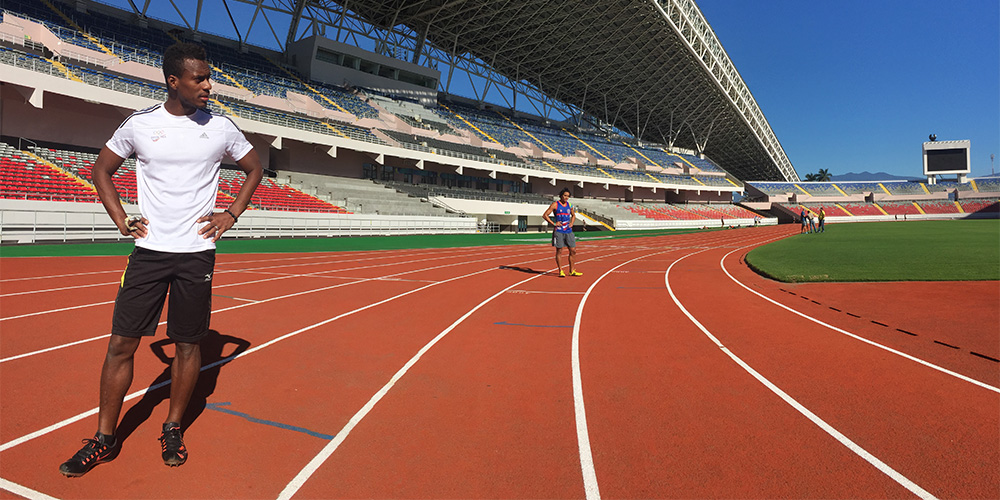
18 270
256 322
673 417
308 402
38 290
887 404
71 433
310 490
486 413
893 315
91 319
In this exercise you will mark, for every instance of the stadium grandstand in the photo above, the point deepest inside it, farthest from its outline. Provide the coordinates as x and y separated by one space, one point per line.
359 120
875 201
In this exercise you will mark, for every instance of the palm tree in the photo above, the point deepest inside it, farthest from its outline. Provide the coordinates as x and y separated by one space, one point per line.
822 176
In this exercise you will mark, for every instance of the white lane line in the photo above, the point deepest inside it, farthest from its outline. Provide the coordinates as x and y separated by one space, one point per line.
54 348
300 479
590 485
39 313
227 263
58 425
319 274
12 294
25 492
722 263
437 255
30 278
291 275
49 311
234 298
262 301
118 271
844 440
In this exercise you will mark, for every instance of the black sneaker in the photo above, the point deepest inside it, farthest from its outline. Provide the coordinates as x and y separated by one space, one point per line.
95 451
172 441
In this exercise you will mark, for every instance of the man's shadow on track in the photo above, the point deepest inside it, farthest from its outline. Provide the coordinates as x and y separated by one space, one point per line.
523 269
212 347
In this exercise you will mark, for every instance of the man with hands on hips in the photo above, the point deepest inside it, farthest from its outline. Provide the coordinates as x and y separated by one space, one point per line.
179 147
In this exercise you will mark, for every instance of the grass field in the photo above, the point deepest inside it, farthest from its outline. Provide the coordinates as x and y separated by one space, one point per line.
886 251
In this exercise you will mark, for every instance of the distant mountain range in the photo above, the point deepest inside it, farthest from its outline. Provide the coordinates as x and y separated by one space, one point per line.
882 176
868 176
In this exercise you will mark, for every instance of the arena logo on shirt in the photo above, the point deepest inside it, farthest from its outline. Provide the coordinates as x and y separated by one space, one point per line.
157 135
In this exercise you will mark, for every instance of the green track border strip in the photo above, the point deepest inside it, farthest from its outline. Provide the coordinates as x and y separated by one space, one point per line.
335 244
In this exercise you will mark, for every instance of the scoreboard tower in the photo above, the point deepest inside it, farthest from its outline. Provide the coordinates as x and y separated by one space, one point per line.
946 158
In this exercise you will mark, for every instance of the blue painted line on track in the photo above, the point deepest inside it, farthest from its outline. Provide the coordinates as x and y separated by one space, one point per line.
504 323
216 407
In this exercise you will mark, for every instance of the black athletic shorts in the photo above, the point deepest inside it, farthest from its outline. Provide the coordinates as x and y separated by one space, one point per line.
144 284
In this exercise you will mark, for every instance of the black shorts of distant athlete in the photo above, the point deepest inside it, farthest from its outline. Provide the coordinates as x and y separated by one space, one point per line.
560 240
144 285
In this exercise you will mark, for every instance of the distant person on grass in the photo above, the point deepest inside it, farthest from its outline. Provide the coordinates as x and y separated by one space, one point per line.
812 223
802 219
179 147
822 220
562 235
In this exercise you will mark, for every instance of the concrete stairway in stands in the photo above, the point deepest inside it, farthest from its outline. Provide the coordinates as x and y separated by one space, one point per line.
360 195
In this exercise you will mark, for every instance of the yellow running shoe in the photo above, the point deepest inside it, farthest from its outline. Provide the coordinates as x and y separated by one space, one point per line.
562 274
575 273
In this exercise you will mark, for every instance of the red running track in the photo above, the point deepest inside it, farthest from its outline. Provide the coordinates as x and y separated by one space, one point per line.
669 370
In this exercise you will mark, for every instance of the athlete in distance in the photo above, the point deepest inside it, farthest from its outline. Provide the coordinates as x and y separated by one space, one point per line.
179 147
562 235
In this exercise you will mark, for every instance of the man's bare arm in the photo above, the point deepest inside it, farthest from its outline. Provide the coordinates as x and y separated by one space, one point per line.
548 212
106 165
250 164
221 222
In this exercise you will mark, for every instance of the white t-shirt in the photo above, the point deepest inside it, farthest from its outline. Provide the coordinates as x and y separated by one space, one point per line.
177 171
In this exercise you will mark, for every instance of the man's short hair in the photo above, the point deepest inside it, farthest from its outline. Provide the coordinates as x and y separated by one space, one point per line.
564 190
176 54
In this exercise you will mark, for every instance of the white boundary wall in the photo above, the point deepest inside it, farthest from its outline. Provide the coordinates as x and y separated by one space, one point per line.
23 221
689 224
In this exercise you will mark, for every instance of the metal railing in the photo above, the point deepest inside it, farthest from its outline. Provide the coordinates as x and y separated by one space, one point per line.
119 85
32 63
35 196
34 222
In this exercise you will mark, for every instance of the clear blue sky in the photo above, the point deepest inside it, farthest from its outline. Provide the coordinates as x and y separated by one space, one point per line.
858 85
847 86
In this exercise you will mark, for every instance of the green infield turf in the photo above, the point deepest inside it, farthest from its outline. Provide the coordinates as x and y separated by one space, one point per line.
338 244
886 251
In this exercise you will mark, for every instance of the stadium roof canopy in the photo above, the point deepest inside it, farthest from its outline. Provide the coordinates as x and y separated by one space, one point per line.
653 68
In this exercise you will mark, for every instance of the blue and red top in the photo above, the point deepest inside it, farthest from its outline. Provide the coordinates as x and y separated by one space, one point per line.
563 213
